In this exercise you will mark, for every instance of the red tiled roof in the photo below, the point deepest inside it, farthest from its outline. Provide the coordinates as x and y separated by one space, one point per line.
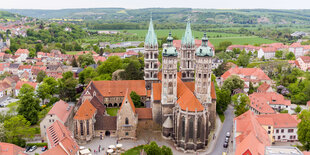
118 88
127 96
280 120
305 59
263 87
59 135
247 73
306 153
308 103
253 137
62 110
157 91
296 45
86 111
21 51
116 54
10 149
22 67
21 83
144 113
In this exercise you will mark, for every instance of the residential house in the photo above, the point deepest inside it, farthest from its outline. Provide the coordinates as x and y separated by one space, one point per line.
21 83
5 89
304 63
253 75
263 88
60 140
13 68
282 127
298 49
23 53
11 149
24 68
62 112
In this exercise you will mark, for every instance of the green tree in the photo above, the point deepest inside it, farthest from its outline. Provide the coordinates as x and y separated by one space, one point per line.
41 75
221 69
67 84
109 66
28 104
132 72
17 128
240 101
290 56
222 100
38 47
53 85
154 149
86 60
298 109
43 92
136 99
232 83
166 150
303 129
243 59
251 88
32 53
223 45
279 54
86 75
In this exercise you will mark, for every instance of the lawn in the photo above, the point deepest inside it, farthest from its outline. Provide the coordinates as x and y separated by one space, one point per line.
133 151
112 111
72 52
241 40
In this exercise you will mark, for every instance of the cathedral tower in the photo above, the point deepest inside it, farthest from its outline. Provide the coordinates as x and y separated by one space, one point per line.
203 72
169 78
187 55
151 64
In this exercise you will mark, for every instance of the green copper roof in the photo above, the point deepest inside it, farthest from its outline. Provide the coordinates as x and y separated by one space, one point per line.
170 50
204 49
188 38
151 39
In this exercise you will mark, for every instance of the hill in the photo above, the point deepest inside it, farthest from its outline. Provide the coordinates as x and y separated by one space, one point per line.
8 16
167 15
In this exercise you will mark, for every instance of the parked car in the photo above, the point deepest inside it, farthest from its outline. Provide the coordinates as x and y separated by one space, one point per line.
44 148
228 134
33 148
27 148
1 105
225 145
226 140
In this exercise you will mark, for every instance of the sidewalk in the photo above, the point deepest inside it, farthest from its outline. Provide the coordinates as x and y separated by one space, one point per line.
217 131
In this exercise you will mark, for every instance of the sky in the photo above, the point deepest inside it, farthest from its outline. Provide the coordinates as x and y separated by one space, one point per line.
134 4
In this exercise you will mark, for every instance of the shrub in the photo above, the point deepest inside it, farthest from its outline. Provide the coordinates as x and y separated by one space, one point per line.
37 144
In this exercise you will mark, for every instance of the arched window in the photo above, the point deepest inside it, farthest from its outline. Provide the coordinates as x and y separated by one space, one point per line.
76 128
183 127
199 128
81 128
170 88
191 128
87 127
126 121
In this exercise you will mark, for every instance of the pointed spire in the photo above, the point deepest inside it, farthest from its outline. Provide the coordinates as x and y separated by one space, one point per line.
188 38
151 38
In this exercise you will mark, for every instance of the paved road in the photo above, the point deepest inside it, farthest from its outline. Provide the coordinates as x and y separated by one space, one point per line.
227 126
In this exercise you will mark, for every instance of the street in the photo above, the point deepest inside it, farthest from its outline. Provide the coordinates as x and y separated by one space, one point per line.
227 126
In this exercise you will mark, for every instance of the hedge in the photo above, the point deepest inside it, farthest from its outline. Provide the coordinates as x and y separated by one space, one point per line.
37 144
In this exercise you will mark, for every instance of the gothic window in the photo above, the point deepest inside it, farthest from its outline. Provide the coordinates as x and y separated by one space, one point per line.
155 75
191 128
126 121
170 76
183 127
147 75
170 88
147 66
199 75
165 75
87 127
81 128
188 55
147 56
187 64
76 128
155 56
204 75
155 65
183 74
198 127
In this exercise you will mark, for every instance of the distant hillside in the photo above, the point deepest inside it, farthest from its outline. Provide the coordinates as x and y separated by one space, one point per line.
8 16
161 15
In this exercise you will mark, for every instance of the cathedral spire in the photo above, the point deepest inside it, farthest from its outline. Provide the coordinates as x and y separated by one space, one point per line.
188 38
151 39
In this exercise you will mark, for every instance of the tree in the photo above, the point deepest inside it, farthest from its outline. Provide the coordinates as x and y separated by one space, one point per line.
240 101
136 99
43 92
290 56
223 45
17 128
86 75
53 85
132 72
32 53
303 129
251 88
109 66
154 149
38 47
67 86
298 109
279 54
222 100
86 60
232 83
28 104
243 59
221 69
41 75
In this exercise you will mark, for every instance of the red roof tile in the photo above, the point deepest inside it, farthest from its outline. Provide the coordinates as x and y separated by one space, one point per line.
21 51
157 91
144 113
10 149
246 73
280 120
86 111
127 96
21 83
263 87
62 110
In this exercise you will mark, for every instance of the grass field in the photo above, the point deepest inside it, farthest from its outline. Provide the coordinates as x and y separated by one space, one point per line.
72 52
112 111
241 40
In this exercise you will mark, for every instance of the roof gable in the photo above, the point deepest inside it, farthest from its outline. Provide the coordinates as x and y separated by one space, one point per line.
127 102
86 111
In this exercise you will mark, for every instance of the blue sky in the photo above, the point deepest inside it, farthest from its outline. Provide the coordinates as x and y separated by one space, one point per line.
133 4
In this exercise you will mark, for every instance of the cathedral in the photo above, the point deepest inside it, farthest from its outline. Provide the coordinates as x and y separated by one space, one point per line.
182 103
